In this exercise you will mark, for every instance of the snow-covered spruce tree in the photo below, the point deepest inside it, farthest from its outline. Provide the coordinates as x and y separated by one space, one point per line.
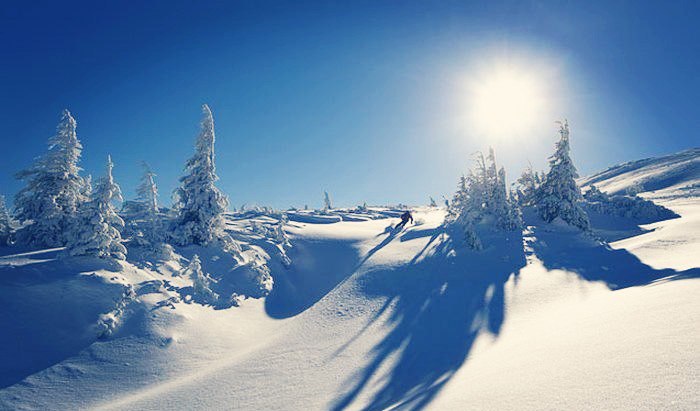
53 191
199 204
527 185
505 208
201 282
145 223
96 231
482 197
145 216
5 223
559 195
327 201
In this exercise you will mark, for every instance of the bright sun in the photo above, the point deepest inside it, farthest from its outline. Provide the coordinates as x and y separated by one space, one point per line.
506 102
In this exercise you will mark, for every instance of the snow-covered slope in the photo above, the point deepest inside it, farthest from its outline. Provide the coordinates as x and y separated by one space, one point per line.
677 174
368 318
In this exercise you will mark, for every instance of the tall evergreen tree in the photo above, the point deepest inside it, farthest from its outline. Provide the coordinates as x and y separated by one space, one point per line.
559 195
199 204
97 229
54 189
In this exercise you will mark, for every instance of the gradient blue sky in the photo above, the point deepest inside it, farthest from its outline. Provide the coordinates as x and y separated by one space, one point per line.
364 99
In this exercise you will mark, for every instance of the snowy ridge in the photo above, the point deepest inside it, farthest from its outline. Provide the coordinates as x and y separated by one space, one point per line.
676 172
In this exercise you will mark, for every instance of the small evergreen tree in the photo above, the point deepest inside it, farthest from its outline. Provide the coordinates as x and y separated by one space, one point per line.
54 190
201 282
480 195
559 195
147 192
527 185
147 216
5 223
327 201
97 228
432 202
199 204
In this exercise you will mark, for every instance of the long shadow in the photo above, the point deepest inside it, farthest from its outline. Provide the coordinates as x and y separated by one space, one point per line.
595 261
317 267
39 292
441 303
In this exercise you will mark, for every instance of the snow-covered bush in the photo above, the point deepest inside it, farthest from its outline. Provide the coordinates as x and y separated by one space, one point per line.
108 323
282 240
559 195
482 197
625 206
48 203
199 204
97 227
262 278
201 282
5 223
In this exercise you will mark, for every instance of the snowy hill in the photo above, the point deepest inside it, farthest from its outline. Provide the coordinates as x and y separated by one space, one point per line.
676 173
368 318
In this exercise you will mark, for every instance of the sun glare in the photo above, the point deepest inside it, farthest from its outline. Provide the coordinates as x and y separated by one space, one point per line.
506 102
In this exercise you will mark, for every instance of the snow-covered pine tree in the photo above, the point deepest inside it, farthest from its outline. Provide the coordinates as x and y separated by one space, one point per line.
482 194
199 204
505 209
327 201
5 223
201 282
146 215
54 189
147 192
96 231
527 185
432 202
559 195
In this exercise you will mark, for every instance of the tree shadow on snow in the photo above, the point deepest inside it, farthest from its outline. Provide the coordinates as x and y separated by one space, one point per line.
591 260
442 300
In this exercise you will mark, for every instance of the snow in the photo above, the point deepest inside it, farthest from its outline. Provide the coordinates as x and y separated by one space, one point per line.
369 318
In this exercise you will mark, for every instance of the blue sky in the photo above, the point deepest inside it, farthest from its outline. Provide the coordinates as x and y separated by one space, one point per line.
364 99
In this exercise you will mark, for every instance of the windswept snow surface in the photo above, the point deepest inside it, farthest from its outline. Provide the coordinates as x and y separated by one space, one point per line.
369 318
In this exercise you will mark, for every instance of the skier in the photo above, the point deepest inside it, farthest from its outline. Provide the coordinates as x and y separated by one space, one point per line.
405 217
